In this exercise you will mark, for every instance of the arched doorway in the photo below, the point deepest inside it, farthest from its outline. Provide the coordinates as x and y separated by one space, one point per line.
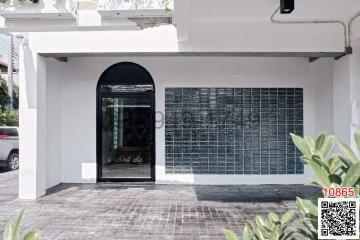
125 124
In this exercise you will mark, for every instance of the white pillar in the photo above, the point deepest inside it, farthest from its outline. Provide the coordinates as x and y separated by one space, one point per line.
342 108
355 91
346 78
32 124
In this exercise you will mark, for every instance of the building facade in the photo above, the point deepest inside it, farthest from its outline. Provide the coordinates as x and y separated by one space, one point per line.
210 99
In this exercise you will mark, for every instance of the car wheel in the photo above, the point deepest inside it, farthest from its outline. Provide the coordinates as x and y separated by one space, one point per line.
13 161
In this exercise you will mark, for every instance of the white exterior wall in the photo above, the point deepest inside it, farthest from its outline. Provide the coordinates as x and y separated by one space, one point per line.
58 100
32 121
76 106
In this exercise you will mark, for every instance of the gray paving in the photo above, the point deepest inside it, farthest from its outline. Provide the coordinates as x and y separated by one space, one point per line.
129 211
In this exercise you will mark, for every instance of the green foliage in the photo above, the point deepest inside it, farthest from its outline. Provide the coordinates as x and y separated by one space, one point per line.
270 228
330 170
230 235
12 230
308 209
9 117
15 97
4 96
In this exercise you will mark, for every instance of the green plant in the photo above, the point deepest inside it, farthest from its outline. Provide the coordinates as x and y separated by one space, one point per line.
271 228
15 102
4 95
12 230
9 117
308 210
331 170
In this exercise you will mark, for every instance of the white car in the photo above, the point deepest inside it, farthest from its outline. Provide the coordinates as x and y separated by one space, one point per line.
9 147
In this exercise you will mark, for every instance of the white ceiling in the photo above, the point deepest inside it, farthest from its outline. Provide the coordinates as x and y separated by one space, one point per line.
262 9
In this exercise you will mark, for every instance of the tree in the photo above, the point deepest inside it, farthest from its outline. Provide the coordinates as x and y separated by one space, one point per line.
8 116
4 96
15 97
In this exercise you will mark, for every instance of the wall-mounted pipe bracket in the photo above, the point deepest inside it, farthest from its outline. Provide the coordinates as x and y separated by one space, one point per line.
348 50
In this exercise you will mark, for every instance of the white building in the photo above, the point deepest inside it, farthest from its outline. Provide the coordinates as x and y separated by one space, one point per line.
208 99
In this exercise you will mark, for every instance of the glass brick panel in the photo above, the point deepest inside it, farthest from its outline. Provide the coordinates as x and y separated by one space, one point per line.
233 130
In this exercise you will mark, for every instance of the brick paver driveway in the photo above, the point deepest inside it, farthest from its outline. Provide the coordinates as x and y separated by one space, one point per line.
120 211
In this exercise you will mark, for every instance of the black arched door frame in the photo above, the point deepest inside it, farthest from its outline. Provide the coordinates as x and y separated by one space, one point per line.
138 95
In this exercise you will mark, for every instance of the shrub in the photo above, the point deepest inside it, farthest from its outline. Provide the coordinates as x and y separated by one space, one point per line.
9 117
12 230
330 170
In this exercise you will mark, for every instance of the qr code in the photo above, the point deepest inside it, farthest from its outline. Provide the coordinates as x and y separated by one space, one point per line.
338 218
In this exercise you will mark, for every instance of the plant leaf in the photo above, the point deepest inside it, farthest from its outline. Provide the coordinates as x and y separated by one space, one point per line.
301 145
306 206
17 224
305 234
321 173
334 178
288 235
334 164
325 144
259 234
345 162
288 217
310 142
320 141
347 152
317 159
230 235
357 141
259 221
273 217
352 176
8 232
247 233
34 235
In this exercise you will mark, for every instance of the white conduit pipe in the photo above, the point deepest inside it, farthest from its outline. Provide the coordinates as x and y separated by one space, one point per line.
316 22
349 27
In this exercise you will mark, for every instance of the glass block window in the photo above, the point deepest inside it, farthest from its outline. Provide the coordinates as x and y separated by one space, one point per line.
233 130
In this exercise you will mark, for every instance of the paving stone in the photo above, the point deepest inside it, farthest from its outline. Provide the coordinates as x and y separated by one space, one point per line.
144 211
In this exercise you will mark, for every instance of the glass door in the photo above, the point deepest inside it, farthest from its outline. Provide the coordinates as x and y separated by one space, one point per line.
125 137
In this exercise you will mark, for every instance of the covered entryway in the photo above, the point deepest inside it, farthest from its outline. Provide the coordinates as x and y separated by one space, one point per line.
125 124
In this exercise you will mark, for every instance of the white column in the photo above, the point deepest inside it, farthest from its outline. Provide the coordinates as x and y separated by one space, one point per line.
355 91
32 124
342 108
322 84
346 78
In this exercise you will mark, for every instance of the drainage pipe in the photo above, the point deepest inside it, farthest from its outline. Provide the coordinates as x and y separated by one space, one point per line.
347 44
350 26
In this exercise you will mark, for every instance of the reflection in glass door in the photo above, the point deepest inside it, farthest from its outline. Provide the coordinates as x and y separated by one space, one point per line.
126 137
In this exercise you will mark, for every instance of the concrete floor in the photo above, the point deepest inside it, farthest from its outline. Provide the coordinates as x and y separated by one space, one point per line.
121 211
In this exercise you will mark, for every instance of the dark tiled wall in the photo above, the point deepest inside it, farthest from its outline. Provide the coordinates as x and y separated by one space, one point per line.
233 130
